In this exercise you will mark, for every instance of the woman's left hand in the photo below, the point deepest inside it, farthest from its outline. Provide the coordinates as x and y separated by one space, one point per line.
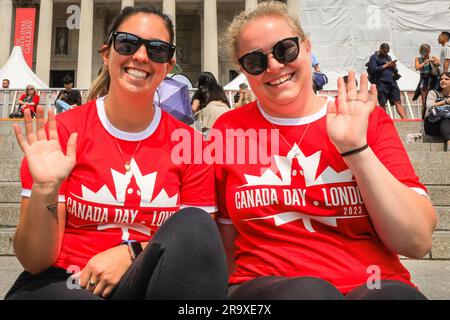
348 115
104 271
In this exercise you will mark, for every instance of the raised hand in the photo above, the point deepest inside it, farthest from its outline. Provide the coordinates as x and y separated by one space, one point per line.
348 115
47 163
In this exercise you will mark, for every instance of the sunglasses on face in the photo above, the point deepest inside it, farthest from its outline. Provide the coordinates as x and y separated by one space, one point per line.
284 51
127 44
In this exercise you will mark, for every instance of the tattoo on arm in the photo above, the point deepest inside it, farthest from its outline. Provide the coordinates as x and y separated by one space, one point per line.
54 211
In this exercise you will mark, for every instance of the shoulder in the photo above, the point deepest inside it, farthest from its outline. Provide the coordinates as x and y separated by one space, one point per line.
239 117
75 119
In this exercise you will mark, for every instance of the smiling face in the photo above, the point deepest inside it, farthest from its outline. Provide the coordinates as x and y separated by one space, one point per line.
280 86
136 74
444 82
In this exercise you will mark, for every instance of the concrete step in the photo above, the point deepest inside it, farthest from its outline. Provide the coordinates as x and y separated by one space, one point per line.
6 241
434 176
424 160
9 215
10 192
424 147
440 195
443 214
10 171
441 245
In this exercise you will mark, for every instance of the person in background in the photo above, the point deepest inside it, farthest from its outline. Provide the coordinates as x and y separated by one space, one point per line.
213 103
27 101
346 82
425 64
437 98
315 62
386 73
5 83
68 98
444 41
288 230
203 79
243 96
145 229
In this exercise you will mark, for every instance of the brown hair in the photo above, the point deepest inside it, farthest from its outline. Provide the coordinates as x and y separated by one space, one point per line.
100 86
267 8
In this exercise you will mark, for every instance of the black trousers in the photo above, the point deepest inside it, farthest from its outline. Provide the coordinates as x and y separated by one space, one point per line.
185 259
440 128
307 288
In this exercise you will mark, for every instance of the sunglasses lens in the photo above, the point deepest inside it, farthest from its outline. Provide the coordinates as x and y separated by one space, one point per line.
126 44
286 51
254 62
159 51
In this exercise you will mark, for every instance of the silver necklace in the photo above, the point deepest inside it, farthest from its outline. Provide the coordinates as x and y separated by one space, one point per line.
297 152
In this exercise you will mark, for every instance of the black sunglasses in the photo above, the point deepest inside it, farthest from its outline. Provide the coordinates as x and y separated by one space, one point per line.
126 43
284 51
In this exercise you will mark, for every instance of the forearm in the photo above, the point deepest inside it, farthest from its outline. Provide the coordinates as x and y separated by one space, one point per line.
403 219
39 233
446 65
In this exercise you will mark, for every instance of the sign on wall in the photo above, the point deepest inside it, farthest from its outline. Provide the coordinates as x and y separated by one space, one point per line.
24 32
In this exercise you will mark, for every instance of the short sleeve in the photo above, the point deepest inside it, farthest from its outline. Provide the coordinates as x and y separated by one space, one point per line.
446 53
385 142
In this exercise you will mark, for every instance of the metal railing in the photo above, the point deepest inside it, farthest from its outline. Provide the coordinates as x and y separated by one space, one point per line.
9 99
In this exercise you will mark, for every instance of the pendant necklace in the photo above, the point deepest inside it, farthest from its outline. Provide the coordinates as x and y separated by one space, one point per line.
127 163
297 152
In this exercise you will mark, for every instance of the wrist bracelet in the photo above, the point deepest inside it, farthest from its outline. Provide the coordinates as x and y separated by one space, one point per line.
349 153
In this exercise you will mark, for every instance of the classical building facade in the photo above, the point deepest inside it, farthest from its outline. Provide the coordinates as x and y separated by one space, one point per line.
69 32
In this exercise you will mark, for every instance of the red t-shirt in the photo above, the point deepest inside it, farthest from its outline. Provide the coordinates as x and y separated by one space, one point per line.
35 101
303 214
106 204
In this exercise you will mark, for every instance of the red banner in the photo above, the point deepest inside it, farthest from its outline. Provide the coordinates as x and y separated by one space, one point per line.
24 32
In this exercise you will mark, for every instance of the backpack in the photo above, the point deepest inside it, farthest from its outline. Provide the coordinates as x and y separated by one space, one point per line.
370 75
319 80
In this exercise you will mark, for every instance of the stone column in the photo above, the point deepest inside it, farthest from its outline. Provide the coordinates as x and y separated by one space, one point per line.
6 9
127 3
250 5
84 68
294 6
44 43
210 44
170 8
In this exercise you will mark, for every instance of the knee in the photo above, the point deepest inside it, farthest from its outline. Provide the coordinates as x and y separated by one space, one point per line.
308 288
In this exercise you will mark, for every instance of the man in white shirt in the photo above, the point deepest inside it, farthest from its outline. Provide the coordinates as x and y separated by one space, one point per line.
443 40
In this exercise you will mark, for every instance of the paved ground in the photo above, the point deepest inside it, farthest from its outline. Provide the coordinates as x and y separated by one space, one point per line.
432 277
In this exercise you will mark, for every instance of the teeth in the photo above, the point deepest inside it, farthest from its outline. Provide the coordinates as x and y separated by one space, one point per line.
137 73
281 80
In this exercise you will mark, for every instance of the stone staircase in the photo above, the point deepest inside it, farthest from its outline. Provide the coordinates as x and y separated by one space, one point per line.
427 155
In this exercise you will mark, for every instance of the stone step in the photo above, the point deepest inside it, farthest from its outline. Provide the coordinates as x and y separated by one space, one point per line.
424 147
10 192
408 125
9 215
440 195
444 218
10 171
423 160
433 176
6 241
441 245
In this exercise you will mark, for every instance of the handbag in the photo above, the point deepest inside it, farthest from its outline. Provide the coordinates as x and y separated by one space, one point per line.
435 70
439 113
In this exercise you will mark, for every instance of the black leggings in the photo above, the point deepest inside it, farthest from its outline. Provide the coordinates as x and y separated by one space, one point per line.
440 128
185 259
307 288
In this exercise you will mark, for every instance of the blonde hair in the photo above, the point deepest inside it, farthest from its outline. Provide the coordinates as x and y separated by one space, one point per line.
100 86
267 8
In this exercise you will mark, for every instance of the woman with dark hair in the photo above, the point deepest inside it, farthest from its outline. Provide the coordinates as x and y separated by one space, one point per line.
99 212
213 103
439 127
203 79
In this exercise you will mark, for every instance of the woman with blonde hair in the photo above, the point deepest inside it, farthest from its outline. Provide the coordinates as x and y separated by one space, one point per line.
29 100
328 217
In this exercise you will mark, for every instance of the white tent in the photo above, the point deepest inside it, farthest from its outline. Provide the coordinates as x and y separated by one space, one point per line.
234 85
19 73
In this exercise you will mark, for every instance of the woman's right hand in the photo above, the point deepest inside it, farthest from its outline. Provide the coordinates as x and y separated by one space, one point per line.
48 164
